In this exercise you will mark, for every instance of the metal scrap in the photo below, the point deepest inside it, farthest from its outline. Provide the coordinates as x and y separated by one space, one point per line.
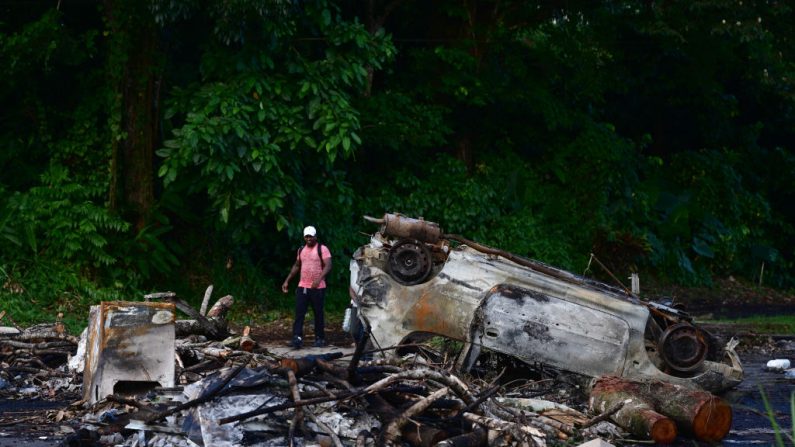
409 281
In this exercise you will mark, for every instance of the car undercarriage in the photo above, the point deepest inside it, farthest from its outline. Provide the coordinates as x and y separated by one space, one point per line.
413 279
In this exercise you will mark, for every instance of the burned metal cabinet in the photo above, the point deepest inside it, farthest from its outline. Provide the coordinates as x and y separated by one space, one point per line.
409 280
130 348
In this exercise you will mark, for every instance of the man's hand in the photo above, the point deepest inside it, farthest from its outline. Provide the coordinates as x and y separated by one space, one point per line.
285 287
315 284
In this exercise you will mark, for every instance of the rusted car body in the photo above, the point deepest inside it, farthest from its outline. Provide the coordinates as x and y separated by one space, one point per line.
409 280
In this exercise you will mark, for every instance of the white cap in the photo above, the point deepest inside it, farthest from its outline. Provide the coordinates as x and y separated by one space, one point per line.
310 231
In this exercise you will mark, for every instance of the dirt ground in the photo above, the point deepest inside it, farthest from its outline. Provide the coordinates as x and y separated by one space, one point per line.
726 295
280 333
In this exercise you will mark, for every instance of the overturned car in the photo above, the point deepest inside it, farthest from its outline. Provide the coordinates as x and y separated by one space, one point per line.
409 280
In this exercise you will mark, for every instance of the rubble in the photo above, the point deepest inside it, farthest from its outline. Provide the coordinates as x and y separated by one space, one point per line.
206 384
259 398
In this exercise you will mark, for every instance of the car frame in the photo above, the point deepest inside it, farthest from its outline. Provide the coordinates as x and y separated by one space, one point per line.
409 279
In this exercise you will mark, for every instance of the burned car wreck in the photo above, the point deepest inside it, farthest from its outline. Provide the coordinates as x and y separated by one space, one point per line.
410 280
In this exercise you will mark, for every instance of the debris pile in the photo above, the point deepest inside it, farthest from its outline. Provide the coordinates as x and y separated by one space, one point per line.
337 399
30 360
219 388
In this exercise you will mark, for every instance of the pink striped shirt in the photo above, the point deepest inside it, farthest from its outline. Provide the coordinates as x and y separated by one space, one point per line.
310 266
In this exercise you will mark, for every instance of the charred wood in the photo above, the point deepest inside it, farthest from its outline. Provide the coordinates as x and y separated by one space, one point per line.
393 431
475 438
531 435
206 397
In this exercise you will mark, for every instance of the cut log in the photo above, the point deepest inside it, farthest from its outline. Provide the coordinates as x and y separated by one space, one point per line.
698 413
246 342
637 415
221 307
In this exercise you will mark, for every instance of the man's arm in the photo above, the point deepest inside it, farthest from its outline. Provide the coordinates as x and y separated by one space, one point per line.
296 268
323 274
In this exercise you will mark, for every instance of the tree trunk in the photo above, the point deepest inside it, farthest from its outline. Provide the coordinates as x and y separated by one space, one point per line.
136 62
375 21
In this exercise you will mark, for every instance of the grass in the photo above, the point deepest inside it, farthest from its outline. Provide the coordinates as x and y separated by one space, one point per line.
38 291
773 324
26 307
780 434
45 293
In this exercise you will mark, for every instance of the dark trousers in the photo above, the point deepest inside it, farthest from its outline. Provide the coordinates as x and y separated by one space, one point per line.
303 297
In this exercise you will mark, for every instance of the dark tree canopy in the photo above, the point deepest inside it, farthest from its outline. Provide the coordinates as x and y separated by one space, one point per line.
176 143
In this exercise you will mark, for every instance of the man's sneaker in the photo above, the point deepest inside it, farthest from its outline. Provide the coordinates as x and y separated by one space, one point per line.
296 343
320 342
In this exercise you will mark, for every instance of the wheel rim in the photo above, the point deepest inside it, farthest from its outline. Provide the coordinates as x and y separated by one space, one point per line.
409 262
682 347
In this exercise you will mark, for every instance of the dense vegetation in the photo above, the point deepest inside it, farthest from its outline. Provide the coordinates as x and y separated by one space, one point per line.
170 144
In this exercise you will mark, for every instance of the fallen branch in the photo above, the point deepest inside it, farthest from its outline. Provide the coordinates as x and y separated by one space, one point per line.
221 307
483 397
334 438
533 433
393 430
453 382
288 405
46 336
41 345
210 327
206 300
604 416
37 371
298 417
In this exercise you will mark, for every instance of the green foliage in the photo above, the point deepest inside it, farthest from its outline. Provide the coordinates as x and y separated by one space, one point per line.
62 220
778 432
657 137
266 112
398 123
494 206
37 291
701 217
151 252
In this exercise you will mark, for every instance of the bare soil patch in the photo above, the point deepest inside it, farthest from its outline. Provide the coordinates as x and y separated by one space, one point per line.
280 332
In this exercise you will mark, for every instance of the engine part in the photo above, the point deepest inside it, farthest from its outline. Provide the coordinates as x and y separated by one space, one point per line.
402 227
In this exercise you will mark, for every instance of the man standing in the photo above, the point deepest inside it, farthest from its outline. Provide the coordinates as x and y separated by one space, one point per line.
314 262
